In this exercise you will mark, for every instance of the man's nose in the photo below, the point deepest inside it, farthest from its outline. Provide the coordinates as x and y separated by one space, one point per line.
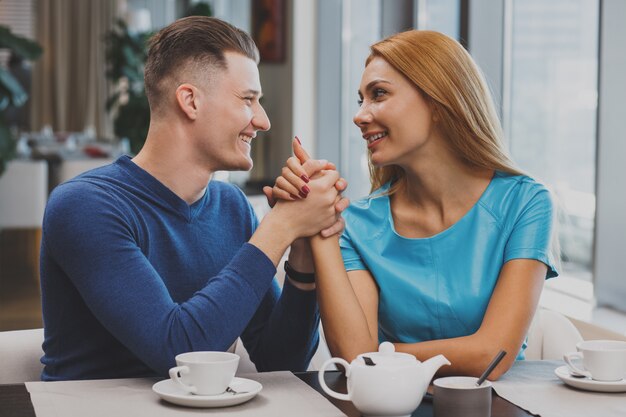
260 120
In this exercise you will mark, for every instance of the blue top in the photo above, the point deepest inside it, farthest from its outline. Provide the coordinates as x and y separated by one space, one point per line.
131 275
439 287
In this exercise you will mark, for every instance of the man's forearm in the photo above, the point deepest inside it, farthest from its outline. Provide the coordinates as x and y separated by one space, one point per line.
272 237
287 339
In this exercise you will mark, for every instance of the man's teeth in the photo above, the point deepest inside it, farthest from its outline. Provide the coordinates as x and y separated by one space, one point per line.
376 137
245 138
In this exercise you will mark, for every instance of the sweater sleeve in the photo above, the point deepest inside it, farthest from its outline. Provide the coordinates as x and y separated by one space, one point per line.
283 333
92 241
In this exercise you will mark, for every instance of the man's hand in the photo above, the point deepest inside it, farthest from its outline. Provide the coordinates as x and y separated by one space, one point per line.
295 177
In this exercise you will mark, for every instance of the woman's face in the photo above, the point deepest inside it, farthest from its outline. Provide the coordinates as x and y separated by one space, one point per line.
394 118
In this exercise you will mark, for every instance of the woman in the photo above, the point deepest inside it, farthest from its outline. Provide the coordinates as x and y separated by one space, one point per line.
449 252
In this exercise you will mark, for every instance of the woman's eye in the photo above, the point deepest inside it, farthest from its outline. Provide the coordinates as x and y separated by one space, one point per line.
360 102
378 92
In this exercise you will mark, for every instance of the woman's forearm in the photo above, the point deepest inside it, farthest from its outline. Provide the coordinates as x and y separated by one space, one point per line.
345 324
468 355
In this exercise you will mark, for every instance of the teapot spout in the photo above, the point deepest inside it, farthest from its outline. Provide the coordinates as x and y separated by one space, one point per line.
433 364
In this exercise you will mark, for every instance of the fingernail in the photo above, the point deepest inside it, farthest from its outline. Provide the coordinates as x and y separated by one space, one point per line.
298 139
293 196
304 178
301 194
306 189
323 161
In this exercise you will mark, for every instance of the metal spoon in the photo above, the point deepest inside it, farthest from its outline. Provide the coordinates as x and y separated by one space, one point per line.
232 391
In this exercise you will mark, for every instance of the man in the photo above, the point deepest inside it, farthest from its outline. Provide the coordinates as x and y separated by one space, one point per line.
147 258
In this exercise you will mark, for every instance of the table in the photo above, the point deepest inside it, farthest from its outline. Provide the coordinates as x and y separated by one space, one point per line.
15 399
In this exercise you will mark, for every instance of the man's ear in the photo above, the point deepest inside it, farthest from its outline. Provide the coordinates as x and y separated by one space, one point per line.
187 99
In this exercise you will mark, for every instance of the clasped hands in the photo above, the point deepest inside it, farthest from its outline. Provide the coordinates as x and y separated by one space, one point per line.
302 176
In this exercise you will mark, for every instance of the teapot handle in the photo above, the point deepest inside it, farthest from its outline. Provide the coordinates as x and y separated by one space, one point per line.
322 381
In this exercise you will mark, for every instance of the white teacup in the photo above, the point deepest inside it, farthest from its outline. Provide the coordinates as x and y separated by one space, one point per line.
205 373
603 360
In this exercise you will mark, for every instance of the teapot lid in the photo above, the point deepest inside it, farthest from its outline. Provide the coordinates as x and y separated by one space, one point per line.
386 357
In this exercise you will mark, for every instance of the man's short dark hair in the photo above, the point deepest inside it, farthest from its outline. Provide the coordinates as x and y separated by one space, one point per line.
188 45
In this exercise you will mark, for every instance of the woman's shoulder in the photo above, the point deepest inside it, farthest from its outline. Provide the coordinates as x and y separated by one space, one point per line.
517 185
509 192
377 201
368 211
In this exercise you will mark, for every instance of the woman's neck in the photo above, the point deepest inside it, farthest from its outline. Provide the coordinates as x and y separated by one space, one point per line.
441 191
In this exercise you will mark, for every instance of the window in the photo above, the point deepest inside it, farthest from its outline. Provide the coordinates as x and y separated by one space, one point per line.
550 104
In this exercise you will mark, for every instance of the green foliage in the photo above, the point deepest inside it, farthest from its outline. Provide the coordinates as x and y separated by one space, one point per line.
11 91
126 54
133 120
199 9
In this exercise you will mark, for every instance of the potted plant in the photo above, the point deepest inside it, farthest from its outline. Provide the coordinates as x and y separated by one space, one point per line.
12 93
126 54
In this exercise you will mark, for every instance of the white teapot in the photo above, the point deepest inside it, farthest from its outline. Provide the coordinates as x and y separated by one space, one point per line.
385 383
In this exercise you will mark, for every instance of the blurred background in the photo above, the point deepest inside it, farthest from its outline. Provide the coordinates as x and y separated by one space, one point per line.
72 99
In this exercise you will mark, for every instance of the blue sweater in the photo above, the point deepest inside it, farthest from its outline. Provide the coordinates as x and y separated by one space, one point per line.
131 275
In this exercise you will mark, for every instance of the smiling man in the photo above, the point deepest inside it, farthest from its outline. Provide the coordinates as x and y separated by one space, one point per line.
147 257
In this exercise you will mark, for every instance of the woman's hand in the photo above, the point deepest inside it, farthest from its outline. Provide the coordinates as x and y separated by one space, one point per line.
296 174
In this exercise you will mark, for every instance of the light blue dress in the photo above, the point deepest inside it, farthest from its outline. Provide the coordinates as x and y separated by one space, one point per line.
439 287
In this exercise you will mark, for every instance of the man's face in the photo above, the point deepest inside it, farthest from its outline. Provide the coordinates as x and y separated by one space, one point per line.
230 115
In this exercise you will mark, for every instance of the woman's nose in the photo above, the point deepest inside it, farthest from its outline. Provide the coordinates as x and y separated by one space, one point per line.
363 116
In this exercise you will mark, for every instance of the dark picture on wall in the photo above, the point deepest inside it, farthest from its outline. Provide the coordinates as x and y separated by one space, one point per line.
268 29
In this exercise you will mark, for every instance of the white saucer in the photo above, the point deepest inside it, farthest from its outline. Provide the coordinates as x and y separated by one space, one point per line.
170 391
589 384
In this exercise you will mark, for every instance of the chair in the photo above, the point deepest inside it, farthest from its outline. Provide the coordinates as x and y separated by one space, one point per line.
21 352
23 194
550 336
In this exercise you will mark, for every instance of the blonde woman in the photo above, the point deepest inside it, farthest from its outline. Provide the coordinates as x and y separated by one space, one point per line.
449 252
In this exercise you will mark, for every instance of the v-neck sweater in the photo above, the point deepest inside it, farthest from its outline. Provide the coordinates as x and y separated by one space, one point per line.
132 275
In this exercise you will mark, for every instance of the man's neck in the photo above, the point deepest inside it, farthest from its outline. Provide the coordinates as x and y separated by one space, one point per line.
167 156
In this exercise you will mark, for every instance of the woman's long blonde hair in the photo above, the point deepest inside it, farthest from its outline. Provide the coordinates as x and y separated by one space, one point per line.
449 79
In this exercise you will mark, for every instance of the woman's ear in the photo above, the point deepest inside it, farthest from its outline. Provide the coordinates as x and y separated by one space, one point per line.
187 98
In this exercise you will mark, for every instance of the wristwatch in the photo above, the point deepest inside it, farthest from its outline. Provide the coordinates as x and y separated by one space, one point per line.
302 277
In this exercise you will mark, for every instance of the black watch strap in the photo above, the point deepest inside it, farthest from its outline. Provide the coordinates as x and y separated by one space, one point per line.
302 277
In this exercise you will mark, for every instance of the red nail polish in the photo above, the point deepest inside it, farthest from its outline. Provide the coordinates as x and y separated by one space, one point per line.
298 139
305 178
293 196
301 194
306 189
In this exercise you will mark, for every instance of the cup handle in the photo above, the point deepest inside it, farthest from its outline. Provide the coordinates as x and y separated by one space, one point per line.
175 373
322 381
573 368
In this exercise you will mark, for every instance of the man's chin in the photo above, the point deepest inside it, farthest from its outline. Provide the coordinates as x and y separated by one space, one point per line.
243 166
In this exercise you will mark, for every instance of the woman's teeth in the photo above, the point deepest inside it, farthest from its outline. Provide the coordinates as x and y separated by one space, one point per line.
375 137
245 138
